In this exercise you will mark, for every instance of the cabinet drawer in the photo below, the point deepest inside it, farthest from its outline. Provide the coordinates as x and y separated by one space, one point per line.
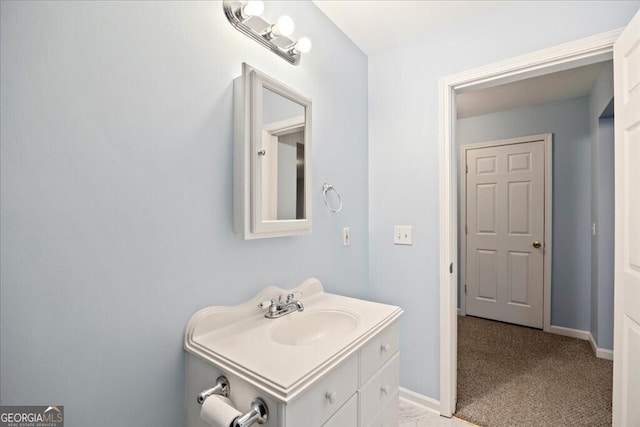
378 351
322 400
380 391
388 416
347 416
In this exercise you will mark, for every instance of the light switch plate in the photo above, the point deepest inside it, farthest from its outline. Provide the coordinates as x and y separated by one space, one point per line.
402 235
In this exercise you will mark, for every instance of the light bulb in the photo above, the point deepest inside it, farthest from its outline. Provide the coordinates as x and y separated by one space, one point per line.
284 26
253 8
303 45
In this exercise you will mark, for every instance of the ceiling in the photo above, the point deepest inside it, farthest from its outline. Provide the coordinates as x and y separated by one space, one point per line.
377 25
568 84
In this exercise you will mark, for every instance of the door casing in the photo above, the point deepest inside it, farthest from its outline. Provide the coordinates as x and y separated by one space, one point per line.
566 56
547 138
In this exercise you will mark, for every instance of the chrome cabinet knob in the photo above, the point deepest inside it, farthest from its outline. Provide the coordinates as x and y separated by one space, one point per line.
384 348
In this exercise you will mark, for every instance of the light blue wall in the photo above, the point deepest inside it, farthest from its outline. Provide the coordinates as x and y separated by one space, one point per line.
116 194
404 150
569 123
602 211
115 186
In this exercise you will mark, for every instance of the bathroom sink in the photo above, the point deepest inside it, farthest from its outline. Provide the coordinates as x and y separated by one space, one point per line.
284 356
313 327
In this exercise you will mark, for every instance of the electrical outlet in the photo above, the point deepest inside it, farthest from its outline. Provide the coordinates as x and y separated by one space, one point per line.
346 236
402 235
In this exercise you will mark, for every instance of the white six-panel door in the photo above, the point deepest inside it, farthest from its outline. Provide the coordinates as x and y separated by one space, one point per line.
505 206
626 362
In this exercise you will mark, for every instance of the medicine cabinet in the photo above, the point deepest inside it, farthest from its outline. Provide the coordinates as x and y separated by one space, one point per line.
272 157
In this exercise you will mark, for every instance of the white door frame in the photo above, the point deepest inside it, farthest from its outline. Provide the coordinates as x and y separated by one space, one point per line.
547 138
570 55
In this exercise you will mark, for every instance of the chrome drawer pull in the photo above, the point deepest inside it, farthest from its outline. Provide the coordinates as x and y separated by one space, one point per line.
384 390
384 348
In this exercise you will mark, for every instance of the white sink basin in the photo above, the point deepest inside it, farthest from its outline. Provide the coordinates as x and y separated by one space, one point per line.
313 327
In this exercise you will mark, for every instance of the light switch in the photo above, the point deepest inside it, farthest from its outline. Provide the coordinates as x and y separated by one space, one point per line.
402 235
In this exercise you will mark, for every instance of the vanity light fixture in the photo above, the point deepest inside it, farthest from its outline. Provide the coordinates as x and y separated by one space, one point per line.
245 17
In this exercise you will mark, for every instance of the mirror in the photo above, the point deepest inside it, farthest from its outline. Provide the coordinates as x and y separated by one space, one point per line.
272 158
282 158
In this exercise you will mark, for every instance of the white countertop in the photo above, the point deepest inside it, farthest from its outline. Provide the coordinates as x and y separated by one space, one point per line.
237 339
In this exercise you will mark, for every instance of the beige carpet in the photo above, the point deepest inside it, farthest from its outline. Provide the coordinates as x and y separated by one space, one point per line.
515 376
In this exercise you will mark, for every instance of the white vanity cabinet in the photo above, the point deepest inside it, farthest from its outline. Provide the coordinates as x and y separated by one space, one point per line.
343 380
362 391
346 416
324 398
379 379
378 397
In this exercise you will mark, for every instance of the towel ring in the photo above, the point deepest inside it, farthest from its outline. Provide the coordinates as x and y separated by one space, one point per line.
325 189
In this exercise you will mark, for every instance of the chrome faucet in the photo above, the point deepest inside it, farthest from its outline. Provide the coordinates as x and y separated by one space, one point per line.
279 308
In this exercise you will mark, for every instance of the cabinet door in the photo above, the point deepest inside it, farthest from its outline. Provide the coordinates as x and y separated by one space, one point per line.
388 416
347 416
323 399
380 392
375 353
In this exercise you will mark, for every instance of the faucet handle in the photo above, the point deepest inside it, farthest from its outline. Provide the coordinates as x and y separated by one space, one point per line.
265 304
272 304
290 297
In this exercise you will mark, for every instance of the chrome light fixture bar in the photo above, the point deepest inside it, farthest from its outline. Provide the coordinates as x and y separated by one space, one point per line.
244 16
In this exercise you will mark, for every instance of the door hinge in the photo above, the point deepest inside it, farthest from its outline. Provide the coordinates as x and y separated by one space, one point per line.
465 288
466 229
466 168
451 268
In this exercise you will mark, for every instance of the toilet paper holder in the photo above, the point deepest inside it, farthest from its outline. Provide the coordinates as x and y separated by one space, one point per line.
221 388
258 414
259 411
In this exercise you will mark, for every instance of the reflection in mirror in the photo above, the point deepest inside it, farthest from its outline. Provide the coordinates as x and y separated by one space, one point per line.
282 160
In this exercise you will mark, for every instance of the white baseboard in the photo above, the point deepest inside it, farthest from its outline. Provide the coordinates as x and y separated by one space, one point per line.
420 400
601 353
568 332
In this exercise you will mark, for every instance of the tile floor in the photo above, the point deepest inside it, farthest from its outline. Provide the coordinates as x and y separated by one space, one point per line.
412 415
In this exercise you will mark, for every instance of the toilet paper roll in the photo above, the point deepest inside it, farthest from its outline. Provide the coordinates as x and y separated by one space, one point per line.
218 411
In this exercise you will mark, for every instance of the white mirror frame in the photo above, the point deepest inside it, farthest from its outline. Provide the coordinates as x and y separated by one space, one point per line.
247 181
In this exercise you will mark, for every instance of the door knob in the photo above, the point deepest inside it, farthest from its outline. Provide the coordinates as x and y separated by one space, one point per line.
536 244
